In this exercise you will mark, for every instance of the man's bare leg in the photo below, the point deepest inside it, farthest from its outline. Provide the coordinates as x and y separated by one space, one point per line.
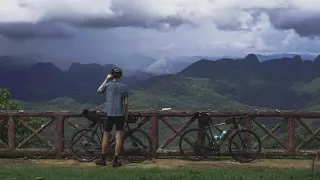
117 149
105 142
104 148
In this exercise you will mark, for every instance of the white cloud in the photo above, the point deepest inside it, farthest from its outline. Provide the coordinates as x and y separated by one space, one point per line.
169 27
146 10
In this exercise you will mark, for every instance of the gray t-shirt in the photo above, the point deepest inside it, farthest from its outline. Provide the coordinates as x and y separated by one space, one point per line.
116 92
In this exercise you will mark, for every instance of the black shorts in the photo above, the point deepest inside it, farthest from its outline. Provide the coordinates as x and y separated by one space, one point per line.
114 120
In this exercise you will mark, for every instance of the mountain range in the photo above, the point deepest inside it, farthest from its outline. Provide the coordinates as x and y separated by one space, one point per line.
226 83
132 63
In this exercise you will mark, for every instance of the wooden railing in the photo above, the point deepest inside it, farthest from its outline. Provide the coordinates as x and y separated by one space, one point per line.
290 142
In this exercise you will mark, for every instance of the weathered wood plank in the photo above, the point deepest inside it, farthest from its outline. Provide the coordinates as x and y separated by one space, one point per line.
26 125
308 139
307 127
274 129
273 152
177 132
35 133
177 113
59 151
154 133
11 132
291 133
59 136
50 153
270 134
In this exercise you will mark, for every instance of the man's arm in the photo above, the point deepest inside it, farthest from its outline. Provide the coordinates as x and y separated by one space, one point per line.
126 107
126 102
102 87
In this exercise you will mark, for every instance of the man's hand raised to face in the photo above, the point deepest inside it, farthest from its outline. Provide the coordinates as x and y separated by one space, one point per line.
101 89
108 78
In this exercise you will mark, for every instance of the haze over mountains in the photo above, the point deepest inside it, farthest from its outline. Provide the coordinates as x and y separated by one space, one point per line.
132 63
284 83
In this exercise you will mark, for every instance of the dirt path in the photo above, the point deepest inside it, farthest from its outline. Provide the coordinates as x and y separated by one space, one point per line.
167 163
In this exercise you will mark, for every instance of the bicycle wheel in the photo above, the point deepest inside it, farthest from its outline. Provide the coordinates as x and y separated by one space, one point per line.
199 142
136 145
85 145
248 140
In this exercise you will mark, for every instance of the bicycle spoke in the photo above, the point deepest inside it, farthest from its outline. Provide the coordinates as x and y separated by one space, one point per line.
137 139
137 150
90 138
199 146
88 148
247 152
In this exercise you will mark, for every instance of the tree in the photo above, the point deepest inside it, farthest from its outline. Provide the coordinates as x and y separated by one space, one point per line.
6 103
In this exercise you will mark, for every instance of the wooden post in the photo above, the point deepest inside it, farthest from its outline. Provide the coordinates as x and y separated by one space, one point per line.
291 133
12 133
153 131
59 136
248 125
202 121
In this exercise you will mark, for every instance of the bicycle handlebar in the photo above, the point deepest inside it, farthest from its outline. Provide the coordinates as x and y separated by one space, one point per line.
98 116
231 120
236 120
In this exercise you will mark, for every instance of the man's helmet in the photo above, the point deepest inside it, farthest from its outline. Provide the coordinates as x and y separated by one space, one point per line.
116 71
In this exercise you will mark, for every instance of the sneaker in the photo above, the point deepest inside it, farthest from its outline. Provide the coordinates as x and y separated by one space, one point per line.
100 162
116 164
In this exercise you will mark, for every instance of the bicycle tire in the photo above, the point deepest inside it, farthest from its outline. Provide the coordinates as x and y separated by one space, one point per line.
128 134
241 159
182 153
78 157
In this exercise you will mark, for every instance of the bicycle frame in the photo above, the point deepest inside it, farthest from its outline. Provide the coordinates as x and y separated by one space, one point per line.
99 125
233 122
201 147
96 129
95 126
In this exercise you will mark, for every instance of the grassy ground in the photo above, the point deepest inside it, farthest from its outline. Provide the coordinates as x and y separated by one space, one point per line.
51 169
69 173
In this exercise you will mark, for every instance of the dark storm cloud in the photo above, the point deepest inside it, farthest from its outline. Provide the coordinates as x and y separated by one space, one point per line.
123 15
124 21
303 23
64 28
24 31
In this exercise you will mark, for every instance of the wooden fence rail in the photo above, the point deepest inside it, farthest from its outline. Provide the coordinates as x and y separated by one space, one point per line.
56 144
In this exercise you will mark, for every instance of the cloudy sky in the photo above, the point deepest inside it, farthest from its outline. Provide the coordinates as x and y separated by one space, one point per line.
95 30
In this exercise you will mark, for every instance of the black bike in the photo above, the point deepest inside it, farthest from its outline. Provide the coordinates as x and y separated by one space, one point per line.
207 145
91 140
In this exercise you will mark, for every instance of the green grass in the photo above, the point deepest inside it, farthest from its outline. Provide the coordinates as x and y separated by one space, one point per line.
26 173
312 87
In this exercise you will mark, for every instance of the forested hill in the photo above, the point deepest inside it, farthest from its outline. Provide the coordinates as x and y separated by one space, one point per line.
286 83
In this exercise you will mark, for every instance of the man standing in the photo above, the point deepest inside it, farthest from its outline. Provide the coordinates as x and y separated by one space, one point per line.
117 112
